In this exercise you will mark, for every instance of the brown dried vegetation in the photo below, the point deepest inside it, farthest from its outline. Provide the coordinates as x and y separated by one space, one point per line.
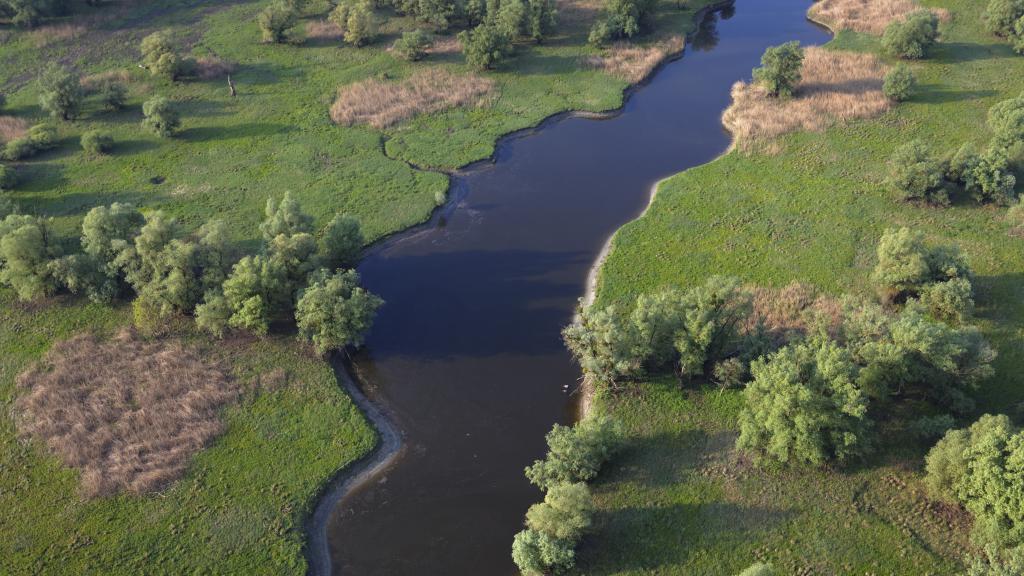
127 412
836 86
634 63
323 30
868 16
46 35
210 67
791 311
11 128
382 103
94 82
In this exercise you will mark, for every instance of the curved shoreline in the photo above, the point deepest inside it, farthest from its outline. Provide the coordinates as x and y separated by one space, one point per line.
389 447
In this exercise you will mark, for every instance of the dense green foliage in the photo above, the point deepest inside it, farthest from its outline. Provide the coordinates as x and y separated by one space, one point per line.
60 93
485 46
621 19
898 84
97 142
159 55
906 266
912 37
780 69
356 21
917 174
575 453
1000 16
334 312
160 116
413 45
276 20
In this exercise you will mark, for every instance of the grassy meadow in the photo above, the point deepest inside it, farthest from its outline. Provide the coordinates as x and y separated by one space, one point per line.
242 503
679 501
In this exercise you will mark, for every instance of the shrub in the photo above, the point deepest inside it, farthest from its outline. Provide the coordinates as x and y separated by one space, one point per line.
412 46
485 46
730 373
537 554
334 311
60 93
1001 15
340 242
8 179
804 407
1018 36
565 513
276 19
97 142
284 218
961 164
356 21
911 38
899 82
906 266
916 174
213 314
982 468
159 56
604 344
621 19
1006 120
38 138
576 453
113 95
713 315
990 179
160 117
997 562
780 69
510 18
950 301
541 18
26 250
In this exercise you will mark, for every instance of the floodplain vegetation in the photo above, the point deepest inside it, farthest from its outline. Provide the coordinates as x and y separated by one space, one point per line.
812 344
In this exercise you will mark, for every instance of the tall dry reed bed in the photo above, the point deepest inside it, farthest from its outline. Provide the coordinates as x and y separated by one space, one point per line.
867 16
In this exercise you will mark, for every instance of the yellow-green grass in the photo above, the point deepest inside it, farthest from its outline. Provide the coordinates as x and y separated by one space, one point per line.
813 211
242 505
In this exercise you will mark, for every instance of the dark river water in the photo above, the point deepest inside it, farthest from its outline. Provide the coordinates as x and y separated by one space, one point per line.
467 356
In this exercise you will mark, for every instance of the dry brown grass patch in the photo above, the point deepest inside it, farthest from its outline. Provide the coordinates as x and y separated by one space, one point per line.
578 13
127 412
868 16
11 128
93 82
210 67
445 45
382 103
323 30
792 310
46 35
634 63
836 86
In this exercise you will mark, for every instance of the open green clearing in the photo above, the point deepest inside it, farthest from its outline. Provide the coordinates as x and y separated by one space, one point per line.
241 507
678 501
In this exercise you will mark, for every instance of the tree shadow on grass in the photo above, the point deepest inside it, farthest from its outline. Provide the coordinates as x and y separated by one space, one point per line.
132 147
241 131
970 52
659 460
934 93
255 75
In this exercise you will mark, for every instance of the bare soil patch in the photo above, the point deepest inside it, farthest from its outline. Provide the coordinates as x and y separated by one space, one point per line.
836 86
11 128
129 413
634 63
867 16
382 103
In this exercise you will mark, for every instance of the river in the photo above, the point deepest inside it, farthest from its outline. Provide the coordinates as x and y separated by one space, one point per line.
466 356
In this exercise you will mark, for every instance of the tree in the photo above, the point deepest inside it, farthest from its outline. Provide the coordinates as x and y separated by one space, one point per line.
804 407
621 19
284 218
108 240
113 95
538 554
276 19
997 562
711 323
160 117
982 468
565 513
780 69
1006 120
912 37
510 18
26 250
27 13
1001 15
605 345
1018 36
8 179
951 301
60 93
541 19
413 45
96 142
990 178
898 83
334 312
159 55
361 25
485 46
576 453
915 173
657 320
340 242
213 314
906 265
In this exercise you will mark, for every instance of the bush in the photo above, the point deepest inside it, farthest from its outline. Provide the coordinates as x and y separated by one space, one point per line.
537 554
159 56
1006 120
780 69
804 407
982 468
1018 36
990 179
997 562
916 174
26 250
485 46
565 513
906 266
730 373
1001 15
605 346
113 95
541 18
356 21
8 179
276 19
713 314
340 242
334 311
911 38
213 314
39 137
412 46
898 84
621 19
97 142
160 117
576 453
60 93
950 301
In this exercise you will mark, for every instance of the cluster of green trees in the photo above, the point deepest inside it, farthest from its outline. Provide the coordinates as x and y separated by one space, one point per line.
555 526
30 12
621 19
1005 18
125 253
912 37
501 24
356 20
918 174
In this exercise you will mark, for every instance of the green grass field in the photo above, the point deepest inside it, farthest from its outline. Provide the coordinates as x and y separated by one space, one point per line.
679 501
242 505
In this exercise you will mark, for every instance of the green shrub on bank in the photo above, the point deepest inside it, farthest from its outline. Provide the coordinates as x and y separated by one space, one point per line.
911 37
575 453
898 83
780 69
413 45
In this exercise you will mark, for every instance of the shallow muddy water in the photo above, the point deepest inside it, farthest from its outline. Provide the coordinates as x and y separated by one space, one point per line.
466 355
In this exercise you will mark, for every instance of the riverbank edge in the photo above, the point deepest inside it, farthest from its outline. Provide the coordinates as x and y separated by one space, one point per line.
389 445
587 390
